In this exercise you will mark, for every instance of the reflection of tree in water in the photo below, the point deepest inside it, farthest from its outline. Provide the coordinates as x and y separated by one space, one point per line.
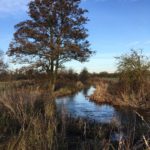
72 97
85 91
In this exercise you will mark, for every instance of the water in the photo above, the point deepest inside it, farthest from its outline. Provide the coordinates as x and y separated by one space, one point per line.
79 105
123 119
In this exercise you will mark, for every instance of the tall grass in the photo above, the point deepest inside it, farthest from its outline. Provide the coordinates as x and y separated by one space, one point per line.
112 93
33 115
28 121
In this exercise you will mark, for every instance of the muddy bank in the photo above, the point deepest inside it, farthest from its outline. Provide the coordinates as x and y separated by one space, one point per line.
109 93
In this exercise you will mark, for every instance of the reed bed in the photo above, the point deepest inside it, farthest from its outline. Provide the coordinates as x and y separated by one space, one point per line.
33 118
28 121
111 93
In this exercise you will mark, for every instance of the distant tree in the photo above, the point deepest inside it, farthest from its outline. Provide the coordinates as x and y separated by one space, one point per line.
104 74
84 75
134 71
108 75
54 35
72 75
3 66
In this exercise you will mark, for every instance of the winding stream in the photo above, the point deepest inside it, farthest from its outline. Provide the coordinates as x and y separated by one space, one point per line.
79 105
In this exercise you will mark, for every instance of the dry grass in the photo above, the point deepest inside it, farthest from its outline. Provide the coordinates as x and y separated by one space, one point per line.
68 90
32 115
101 94
109 92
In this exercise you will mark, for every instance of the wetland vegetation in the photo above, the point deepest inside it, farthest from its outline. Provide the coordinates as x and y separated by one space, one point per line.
44 106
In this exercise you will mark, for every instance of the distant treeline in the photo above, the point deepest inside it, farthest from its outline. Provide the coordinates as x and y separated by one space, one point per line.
63 74
106 75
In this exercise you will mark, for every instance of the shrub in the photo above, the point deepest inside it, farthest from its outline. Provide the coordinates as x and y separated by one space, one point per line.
84 75
134 76
134 69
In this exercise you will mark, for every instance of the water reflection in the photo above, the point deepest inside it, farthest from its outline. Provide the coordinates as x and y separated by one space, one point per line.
86 91
78 105
124 119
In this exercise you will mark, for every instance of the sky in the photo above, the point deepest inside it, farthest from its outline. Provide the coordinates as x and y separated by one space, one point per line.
115 27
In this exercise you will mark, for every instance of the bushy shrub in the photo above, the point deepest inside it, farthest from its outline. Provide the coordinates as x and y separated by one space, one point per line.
134 69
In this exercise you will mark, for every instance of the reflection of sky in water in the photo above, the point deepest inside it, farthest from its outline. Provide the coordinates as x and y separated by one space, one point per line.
80 106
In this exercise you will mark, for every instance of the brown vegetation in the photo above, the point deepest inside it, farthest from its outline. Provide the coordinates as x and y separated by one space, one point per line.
28 121
111 93
132 87
53 35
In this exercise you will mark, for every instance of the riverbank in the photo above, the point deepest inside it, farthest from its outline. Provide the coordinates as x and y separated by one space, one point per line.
107 92
29 117
65 89
69 89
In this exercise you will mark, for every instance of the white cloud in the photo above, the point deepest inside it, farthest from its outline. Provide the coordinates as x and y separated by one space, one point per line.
12 6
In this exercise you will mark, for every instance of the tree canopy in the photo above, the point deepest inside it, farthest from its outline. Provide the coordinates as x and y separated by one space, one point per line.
53 35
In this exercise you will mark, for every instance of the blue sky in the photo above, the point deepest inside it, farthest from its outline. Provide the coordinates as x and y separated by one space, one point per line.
115 27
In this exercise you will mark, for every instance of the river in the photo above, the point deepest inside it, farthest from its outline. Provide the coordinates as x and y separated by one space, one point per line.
79 105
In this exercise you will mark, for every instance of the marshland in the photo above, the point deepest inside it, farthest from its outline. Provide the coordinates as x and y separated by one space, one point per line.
54 94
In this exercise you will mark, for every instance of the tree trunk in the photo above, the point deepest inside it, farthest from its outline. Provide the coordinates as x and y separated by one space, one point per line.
51 75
